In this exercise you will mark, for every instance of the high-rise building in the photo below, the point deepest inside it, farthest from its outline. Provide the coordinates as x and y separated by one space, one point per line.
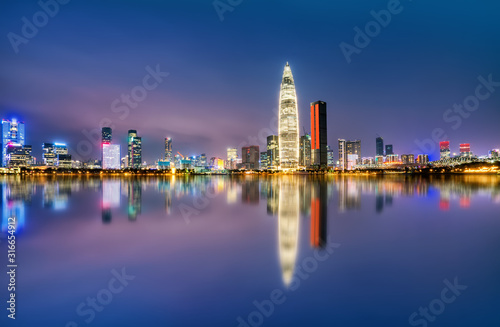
54 154
134 150
379 146
494 153
106 135
110 156
444 150
273 152
319 157
342 154
12 132
423 158
168 149
354 148
305 151
388 149
263 160
465 150
250 157
18 155
232 155
330 156
288 123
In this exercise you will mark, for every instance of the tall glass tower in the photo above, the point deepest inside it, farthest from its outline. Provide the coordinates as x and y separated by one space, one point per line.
288 123
12 132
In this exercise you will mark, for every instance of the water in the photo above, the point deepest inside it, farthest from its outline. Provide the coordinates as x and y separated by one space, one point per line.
211 251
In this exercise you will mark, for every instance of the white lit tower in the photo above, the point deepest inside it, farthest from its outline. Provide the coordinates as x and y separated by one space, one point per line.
288 123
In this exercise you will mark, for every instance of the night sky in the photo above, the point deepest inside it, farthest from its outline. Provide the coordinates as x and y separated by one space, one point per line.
224 76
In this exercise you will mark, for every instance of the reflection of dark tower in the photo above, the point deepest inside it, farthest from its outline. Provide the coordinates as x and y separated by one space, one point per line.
250 191
319 199
134 199
106 215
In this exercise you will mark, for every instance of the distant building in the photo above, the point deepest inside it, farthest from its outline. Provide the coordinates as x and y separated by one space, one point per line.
111 156
134 150
392 158
273 152
250 157
168 149
64 161
388 149
379 160
352 160
354 147
51 153
342 154
494 154
305 151
368 161
12 132
18 155
106 135
465 150
408 158
319 156
263 160
330 156
444 150
423 159
232 155
379 146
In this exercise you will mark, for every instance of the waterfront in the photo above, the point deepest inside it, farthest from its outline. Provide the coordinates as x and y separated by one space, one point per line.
202 249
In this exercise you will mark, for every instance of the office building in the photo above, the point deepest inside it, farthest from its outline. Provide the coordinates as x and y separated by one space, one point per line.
408 158
423 159
388 149
444 150
12 132
106 135
354 147
273 157
111 156
263 160
465 150
232 155
379 146
319 157
250 157
342 155
330 156
305 151
134 150
288 123
168 149
51 153
18 155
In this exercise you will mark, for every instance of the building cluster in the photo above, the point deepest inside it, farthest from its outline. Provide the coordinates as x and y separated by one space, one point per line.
287 151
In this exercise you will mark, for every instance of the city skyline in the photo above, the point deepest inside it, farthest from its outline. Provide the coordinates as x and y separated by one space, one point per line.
63 75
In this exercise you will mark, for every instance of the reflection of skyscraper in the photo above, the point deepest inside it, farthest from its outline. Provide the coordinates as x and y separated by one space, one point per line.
288 226
250 190
318 135
288 122
318 214
134 199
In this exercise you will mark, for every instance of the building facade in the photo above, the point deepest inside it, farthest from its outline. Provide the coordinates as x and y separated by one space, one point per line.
305 151
12 132
111 156
250 156
444 150
319 157
379 146
288 123
273 156
134 150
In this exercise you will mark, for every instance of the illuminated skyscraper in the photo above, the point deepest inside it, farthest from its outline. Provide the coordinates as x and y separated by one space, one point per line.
12 132
318 135
305 151
288 122
250 157
342 155
465 150
273 157
110 156
134 150
379 146
388 149
444 149
232 155
106 135
168 149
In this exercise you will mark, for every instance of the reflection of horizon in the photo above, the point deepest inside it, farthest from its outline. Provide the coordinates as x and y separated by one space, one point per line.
288 226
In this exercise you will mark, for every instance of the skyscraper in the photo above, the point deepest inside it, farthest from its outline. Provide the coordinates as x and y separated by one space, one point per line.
305 151
273 157
465 150
263 160
106 135
134 150
379 146
444 149
250 156
342 154
168 149
12 132
354 148
388 149
318 135
288 122
110 156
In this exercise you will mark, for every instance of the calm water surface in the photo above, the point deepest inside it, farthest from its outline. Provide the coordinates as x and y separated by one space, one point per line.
254 251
